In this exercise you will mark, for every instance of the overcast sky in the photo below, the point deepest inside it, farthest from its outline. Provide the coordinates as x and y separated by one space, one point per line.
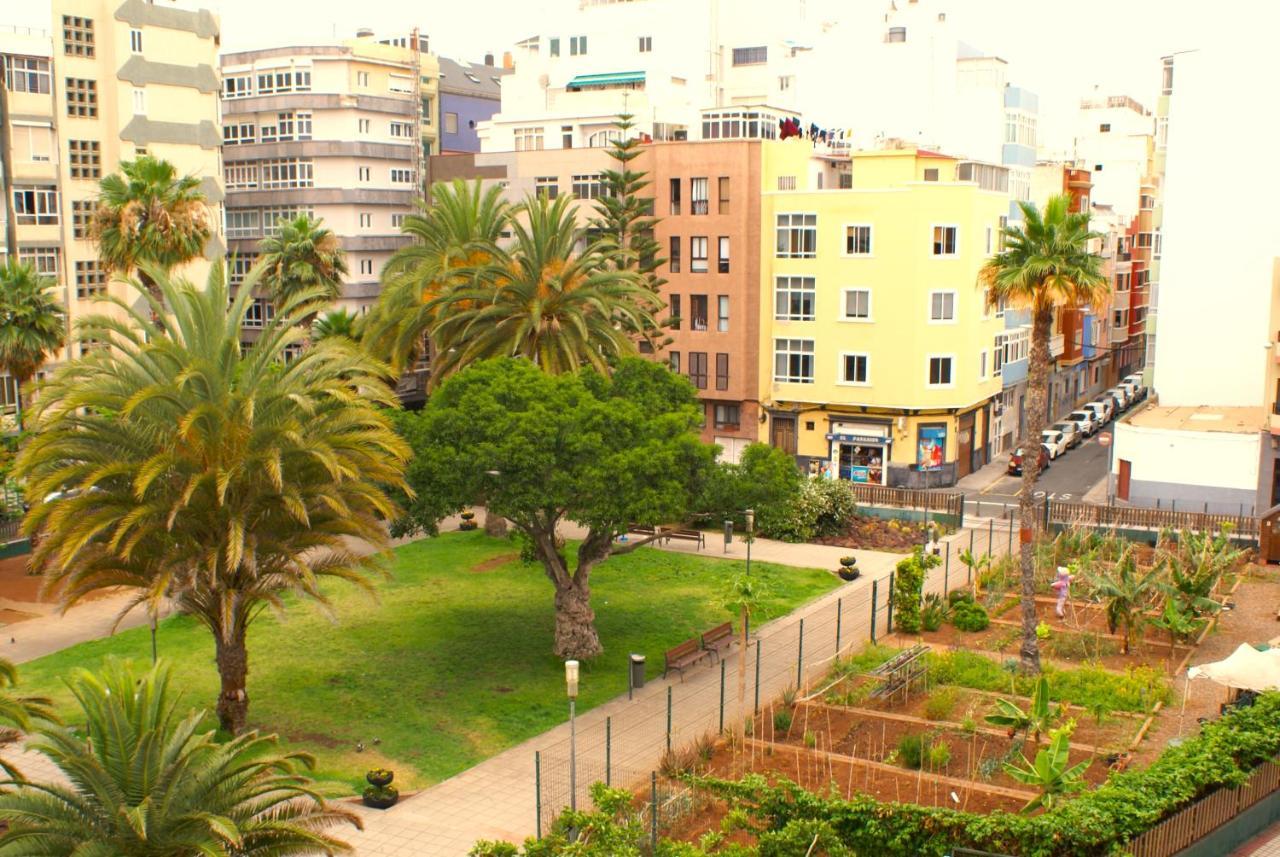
1059 50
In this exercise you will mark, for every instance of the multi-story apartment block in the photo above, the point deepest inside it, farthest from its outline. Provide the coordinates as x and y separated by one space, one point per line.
1113 141
469 94
334 131
882 360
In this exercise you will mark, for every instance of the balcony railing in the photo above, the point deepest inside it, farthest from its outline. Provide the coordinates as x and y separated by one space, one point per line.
1056 345
700 206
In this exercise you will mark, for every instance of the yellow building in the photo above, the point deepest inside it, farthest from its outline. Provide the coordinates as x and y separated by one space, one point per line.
876 343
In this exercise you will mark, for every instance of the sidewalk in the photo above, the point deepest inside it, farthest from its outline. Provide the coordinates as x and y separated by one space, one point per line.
984 477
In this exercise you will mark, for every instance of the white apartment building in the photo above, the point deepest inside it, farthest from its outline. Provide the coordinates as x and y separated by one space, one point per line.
1113 140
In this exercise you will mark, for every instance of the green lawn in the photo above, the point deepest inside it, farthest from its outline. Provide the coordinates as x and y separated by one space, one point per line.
451 664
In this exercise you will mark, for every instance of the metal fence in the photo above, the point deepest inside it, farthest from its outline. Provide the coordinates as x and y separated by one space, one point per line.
1128 517
626 750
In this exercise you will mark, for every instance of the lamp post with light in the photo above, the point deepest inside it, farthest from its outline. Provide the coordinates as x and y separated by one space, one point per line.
571 684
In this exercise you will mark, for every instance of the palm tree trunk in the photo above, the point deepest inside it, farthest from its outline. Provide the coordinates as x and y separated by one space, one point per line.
575 635
156 294
495 526
233 669
1037 386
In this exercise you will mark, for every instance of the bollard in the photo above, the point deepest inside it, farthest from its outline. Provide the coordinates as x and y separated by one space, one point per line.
875 585
971 532
888 606
668 718
800 658
722 695
991 536
839 616
608 750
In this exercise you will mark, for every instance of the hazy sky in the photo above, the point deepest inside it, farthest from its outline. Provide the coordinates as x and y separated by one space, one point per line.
1059 50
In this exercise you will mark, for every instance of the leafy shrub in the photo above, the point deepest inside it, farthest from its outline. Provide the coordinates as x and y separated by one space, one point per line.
911 750
764 479
810 739
934 612
941 703
822 508
908 581
955 596
939 756
782 720
871 656
967 616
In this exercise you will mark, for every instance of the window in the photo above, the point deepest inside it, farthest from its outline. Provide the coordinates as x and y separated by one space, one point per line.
896 34
1000 236
81 214
674 358
397 221
366 266
577 45
793 361
366 220
940 371
982 365
646 44
400 175
722 313
1144 239
243 223
797 236
82 98
723 207
400 84
750 56
727 416
547 186
673 312
35 206
673 256
785 81
674 190
697 312
239 176
28 74
527 139
944 240
135 41
1146 202
997 356
1097 168
287 172
699 203
794 299
362 78
588 186
235 134
272 216
139 101
285 80
43 259
1122 282
857 304
698 369
1120 318
553 49
931 174
786 182
402 129
84 157
259 313
942 306
291 126
77 36
91 279
363 126
853 369
237 86
238 267
857 240
722 255
698 254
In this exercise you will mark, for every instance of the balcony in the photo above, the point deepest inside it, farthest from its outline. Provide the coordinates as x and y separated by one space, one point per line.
1057 345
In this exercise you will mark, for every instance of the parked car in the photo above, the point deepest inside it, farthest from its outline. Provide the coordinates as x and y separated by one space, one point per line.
1071 431
1103 411
1015 460
1086 420
1054 442
1139 387
1122 395
1136 391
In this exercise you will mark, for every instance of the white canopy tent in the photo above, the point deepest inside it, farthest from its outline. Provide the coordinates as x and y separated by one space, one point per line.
1244 669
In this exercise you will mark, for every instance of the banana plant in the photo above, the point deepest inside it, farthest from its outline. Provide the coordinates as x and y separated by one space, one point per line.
1051 772
1127 593
976 565
1037 719
1183 615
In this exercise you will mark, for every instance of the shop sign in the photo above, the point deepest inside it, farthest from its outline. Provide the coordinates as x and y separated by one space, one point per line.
932 443
858 438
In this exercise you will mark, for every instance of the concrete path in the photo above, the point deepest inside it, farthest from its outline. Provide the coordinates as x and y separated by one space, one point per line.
90 620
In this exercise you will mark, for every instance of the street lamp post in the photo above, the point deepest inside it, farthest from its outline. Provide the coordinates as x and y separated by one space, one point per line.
571 683
750 515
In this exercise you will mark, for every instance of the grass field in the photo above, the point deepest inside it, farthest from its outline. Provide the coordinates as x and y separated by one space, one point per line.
451 664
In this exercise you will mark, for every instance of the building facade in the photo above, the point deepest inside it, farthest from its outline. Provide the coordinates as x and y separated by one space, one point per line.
469 94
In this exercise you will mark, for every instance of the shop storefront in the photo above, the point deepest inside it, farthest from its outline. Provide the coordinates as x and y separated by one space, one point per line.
859 452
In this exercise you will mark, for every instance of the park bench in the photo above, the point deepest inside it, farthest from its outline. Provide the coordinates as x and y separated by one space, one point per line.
684 655
695 536
641 529
719 637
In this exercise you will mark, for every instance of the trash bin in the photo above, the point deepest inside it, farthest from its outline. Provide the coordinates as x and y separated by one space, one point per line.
637 670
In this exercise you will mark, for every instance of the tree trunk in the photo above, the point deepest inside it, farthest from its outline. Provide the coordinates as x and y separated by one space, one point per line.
154 291
494 525
1028 514
233 668
576 636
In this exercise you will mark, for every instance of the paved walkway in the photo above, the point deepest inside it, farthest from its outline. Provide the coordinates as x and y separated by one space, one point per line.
1265 844
55 631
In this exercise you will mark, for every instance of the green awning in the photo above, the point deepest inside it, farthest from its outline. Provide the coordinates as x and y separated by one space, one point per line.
617 78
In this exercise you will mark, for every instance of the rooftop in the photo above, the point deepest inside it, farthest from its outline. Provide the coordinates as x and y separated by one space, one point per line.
1204 418
464 78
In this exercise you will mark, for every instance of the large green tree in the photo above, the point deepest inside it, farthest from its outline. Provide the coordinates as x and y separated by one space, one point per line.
453 237
32 323
626 219
542 450
143 780
148 216
223 479
1047 263
301 257
543 300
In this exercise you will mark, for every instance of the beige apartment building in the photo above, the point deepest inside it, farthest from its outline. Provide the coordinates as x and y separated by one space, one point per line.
337 132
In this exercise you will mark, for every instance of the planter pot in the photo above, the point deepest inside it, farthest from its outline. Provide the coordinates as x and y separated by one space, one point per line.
468 525
848 561
847 573
467 516
386 800
379 778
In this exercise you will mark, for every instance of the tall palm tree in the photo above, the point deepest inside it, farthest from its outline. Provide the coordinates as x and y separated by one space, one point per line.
543 300
145 781
19 711
147 215
1046 263
453 236
216 478
32 324
303 256
336 322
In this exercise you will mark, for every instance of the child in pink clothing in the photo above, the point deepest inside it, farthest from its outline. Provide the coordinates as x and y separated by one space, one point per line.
1062 585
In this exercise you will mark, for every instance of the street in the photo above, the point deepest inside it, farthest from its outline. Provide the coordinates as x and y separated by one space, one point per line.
1068 478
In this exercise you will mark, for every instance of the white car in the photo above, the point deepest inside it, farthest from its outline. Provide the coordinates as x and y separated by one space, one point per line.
1102 410
1139 388
1122 396
1070 430
1055 442
1086 420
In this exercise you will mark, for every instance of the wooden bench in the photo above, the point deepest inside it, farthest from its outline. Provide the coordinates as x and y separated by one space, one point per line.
684 655
695 536
719 637
641 530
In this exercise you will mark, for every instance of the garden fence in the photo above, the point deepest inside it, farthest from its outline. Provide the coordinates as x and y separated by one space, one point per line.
627 750
1206 815
1065 513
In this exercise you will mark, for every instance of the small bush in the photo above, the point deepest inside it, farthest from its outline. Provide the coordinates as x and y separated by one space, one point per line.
955 596
810 739
871 656
922 750
789 696
911 750
941 703
782 721
939 756
934 612
970 617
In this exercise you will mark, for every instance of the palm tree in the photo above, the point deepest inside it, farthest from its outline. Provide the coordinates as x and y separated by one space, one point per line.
32 324
144 781
216 478
453 236
337 322
147 215
302 256
19 711
540 300
1046 263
